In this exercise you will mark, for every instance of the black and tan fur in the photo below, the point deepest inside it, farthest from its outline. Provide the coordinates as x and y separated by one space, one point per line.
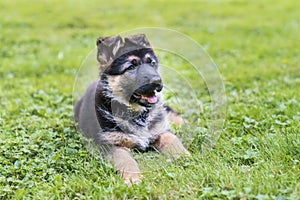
123 109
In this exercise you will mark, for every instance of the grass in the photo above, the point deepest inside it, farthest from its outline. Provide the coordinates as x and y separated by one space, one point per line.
256 47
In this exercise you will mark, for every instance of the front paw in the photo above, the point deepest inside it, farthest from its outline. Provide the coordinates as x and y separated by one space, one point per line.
170 145
132 178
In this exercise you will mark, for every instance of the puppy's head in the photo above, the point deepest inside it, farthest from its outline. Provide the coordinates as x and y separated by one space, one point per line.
131 69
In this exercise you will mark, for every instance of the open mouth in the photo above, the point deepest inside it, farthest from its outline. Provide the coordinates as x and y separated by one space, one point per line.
146 99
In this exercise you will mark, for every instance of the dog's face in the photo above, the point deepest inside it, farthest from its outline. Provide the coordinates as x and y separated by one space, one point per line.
132 74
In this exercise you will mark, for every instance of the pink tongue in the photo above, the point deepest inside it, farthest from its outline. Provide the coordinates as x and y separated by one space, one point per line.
151 99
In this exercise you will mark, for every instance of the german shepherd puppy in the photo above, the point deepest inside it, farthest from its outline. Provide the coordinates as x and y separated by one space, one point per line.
123 109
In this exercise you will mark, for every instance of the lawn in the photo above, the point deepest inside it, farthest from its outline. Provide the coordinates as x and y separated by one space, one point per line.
255 45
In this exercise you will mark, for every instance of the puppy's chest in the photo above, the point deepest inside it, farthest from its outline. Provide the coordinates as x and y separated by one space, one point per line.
142 131
140 125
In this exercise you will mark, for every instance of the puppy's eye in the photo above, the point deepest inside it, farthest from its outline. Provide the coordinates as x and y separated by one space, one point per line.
152 63
134 62
149 60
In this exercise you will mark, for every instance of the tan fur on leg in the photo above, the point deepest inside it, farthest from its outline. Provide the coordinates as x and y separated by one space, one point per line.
170 145
175 118
126 166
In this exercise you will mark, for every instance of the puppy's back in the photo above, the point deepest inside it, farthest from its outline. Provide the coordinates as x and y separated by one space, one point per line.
85 113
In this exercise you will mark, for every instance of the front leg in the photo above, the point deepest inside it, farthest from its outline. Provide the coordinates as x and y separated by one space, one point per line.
170 145
126 165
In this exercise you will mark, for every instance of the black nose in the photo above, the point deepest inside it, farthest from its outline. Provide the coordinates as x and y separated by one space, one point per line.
156 82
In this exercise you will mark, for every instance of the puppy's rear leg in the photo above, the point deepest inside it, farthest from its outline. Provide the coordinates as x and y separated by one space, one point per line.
126 165
173 116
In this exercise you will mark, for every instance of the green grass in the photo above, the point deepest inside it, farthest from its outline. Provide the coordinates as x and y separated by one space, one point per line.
256 47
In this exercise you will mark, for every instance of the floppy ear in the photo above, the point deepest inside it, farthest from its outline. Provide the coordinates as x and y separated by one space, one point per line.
108 48
137 41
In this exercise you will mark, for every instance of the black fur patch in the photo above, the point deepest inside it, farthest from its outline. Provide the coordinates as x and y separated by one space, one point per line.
104 103
103 106
117 68
140 120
